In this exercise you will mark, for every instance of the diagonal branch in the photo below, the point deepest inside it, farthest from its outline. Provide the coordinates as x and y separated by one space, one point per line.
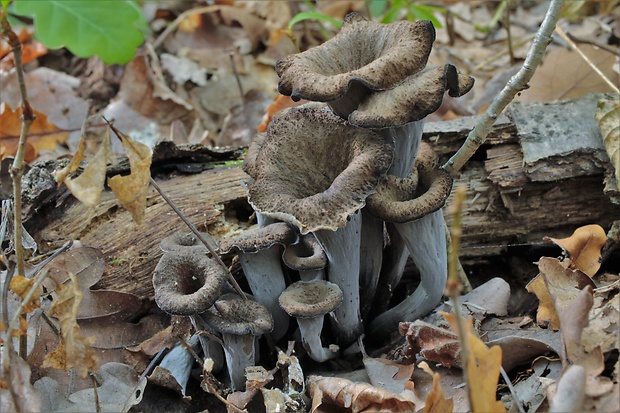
516 84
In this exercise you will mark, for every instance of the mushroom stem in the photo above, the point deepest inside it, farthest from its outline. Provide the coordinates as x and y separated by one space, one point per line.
406 143
342 248
265 277
395 257
240 353
310 329
371 257
426 243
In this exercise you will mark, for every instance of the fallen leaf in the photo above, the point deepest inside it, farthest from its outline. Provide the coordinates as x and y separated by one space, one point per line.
131 190
280 103
436 401
433 343
387 374
583 247
26 395
74 350
608 117
240 124
563 74
257 378
330 393
482 368
43 135
21 285
89 185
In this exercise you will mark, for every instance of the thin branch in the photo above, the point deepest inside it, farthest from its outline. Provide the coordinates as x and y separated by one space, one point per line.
191 226
585 58
516 84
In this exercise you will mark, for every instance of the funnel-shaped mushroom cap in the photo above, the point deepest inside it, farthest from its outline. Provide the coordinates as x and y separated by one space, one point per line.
307 254
418 96
183 240
236 315
314 170
363 54
401 200
257 239
305 299
187 282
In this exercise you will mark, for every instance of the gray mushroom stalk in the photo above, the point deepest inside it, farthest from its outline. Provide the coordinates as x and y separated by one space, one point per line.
240 322
415 211
315 171
259 251
308 302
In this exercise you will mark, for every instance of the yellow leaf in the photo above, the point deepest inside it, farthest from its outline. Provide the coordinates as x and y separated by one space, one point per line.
131 190
43 135
88 186
546 315
482 369
584 247
20 286
436 401
74 350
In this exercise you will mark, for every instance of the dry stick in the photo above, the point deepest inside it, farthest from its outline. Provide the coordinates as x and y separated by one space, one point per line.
191 226
516 84
586 59
515 398
17 169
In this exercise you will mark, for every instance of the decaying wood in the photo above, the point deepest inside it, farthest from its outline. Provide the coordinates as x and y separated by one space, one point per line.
541 173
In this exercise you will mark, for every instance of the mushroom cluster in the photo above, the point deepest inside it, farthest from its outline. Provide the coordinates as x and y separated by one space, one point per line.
344 192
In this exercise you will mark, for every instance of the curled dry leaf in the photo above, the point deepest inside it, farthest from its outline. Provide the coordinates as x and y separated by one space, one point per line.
43 135
387 374
331 393
131 190
436 401
257 378
27 399
608 117
482 369
280 103
21 285
87 187
583 247
74 350
433 343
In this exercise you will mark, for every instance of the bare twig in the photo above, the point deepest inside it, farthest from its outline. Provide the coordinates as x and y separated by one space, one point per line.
515 397
516 84
586 59
191 226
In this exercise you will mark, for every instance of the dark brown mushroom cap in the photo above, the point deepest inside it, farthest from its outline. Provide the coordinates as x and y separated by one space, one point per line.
314 170
256 239
400 200
364 53
307 254
187 282
420 95
238 316
305 299
183 240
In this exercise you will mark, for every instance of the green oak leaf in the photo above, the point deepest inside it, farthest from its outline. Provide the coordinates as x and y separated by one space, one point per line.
110 29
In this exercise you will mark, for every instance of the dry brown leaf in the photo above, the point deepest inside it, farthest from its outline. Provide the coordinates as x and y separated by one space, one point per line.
89 185
565 75
436 401
27 397
257 378
387 374
545 315
583 247
21 285
483 368
43 135
433 343
131 189
608 117
332 393
74 350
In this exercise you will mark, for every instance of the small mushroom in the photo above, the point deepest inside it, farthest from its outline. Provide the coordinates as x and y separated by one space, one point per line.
419 221
240 322
306 257
184 240
259 252
187 282
315 172
308 302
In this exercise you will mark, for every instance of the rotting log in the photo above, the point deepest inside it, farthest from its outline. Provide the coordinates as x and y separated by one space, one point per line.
541 173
